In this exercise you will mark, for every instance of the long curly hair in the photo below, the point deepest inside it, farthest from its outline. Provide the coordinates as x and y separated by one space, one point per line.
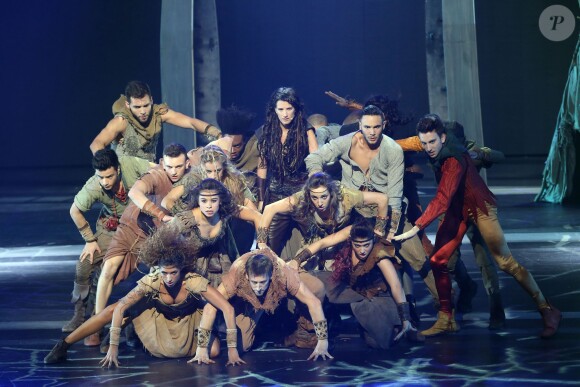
284 159
232 178
306 209
227 206
165 247
342 265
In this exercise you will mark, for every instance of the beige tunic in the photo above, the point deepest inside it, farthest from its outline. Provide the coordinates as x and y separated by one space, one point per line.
170 330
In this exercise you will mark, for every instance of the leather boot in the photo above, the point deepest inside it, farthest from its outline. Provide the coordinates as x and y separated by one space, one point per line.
444 324
58 353
552 317
77 319
79 298
496 312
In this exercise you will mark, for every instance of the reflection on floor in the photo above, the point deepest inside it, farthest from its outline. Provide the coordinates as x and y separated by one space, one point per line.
35 283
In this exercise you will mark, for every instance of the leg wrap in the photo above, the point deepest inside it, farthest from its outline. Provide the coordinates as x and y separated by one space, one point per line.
83 272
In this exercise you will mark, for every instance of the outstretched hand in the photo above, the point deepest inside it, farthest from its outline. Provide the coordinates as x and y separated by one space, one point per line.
320 350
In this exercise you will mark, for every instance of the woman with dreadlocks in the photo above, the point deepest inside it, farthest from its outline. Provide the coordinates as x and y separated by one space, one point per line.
284 142
165 308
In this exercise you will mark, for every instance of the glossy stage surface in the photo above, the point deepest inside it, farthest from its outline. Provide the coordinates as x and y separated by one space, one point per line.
40 246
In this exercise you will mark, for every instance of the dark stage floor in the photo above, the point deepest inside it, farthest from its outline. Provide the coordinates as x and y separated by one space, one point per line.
40 246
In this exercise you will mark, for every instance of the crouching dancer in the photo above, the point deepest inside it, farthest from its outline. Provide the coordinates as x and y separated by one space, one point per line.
256 283
165 308
365 277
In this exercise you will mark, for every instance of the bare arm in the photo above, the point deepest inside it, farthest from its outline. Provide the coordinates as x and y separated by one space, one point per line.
250 215
124 303
114 128
381 201
329 241
207 320
312 142
282 206
392 279
178 119
173 196
262 173
350 104
305 296
138 194
80 221
398 293
217 300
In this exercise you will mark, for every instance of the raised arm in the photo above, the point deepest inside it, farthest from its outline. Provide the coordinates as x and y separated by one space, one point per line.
305 296
114 128
350 104
178 119
115 331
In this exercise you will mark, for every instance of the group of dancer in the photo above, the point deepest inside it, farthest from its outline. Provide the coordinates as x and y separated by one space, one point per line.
332 209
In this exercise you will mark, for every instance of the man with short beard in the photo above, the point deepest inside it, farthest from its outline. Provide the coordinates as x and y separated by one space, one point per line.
137 124
142 214
109 186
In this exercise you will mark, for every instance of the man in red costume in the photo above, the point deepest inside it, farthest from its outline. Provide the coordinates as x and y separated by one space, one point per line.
464 198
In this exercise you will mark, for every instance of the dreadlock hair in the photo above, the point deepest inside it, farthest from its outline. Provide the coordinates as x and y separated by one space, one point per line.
234 121
227 206
342 266
232 178
306 209
284 159
165 247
